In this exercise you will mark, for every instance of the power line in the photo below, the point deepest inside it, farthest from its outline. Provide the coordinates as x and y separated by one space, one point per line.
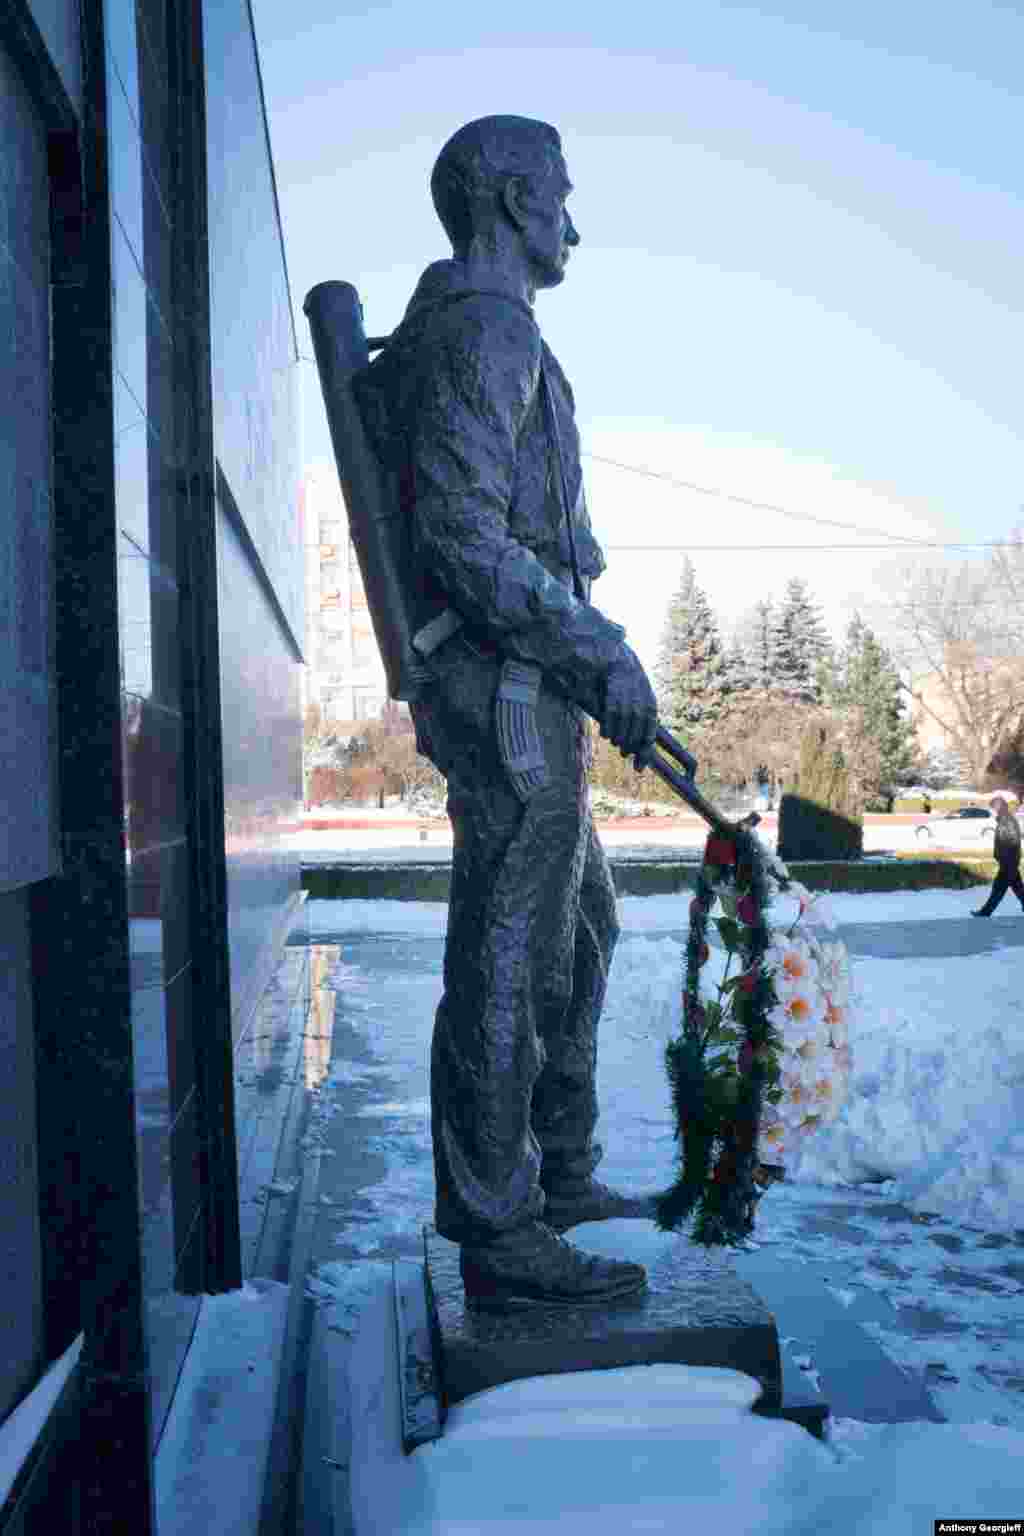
745 501
893 540
685 549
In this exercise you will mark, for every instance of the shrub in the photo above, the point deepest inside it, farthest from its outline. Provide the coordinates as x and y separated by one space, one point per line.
327 785
817 817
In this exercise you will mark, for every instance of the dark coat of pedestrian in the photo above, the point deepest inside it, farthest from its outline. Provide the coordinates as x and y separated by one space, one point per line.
1007 849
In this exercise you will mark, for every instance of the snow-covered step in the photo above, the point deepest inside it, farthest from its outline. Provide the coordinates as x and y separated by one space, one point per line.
211 1462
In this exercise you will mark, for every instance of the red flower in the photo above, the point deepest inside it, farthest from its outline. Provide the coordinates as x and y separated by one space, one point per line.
746 910
704 953
748 981
719 851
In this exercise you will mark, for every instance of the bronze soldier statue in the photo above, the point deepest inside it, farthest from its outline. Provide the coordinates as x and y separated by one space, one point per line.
473 415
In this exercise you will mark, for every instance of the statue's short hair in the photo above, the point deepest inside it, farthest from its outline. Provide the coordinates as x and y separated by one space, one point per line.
475 164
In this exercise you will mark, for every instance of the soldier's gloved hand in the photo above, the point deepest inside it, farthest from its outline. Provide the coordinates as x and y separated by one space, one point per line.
630 717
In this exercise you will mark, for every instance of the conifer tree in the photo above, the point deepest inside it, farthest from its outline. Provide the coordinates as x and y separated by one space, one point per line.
865 692
738 679
690 661
756 639
801 645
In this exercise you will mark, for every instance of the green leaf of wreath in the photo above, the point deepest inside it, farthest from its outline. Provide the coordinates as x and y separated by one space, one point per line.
730 930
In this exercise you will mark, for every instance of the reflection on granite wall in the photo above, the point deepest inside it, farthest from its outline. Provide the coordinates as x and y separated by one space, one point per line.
28 839
253 335
59 24
152 728
28 831
259 537
21 1320
262 762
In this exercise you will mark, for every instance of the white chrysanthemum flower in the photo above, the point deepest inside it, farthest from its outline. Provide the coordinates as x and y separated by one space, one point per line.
789 962
798 1015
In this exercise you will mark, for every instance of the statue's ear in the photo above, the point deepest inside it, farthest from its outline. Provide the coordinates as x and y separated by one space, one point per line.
513 200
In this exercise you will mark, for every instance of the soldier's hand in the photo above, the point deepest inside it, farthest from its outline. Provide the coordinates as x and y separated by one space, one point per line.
630 717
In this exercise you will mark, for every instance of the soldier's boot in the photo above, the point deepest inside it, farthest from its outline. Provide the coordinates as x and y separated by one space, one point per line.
532 1265
566 1207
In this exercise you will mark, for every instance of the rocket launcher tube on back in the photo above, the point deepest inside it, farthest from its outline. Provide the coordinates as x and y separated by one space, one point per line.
376 523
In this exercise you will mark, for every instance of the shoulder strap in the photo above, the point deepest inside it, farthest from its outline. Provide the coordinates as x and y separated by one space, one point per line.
552 425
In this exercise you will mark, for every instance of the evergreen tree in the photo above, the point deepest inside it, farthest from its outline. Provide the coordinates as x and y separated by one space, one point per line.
865 692
756 638
737 674
689 678
801 645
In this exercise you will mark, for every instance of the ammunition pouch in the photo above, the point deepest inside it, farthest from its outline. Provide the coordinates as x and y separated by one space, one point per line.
515 715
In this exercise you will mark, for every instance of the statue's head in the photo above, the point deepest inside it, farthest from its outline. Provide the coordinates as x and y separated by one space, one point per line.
505 177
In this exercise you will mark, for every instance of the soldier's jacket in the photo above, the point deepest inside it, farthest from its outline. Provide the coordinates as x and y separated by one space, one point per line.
454 406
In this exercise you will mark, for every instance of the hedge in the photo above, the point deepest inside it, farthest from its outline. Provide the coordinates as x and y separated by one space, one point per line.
430 882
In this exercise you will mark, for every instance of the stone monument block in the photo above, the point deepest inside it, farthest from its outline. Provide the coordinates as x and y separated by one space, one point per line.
696 1310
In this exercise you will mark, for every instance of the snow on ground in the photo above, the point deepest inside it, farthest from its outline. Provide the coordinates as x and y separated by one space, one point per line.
911 1206
937 1092
657 1448
911 1209
675 1448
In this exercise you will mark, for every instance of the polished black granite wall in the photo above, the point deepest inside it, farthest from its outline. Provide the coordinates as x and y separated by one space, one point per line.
115 1045
28 840
28 827
147 463
59 26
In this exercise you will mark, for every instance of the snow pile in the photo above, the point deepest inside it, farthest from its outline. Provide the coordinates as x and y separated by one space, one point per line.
937 1096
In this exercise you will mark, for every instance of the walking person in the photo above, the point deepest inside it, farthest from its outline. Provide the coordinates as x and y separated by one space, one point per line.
1007 854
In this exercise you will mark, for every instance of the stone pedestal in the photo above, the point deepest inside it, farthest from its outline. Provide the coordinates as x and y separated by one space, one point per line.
695 1311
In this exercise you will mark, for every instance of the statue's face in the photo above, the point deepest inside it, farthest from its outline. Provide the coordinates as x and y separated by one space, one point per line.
548 232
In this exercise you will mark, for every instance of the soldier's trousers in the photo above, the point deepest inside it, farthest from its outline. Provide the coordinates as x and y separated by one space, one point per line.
532 927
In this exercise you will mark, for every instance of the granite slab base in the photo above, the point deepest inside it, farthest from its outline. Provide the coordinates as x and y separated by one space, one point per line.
696 1310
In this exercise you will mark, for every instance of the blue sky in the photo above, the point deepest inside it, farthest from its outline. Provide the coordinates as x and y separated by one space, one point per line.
800 270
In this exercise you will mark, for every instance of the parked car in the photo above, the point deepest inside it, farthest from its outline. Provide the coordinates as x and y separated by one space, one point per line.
970 824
